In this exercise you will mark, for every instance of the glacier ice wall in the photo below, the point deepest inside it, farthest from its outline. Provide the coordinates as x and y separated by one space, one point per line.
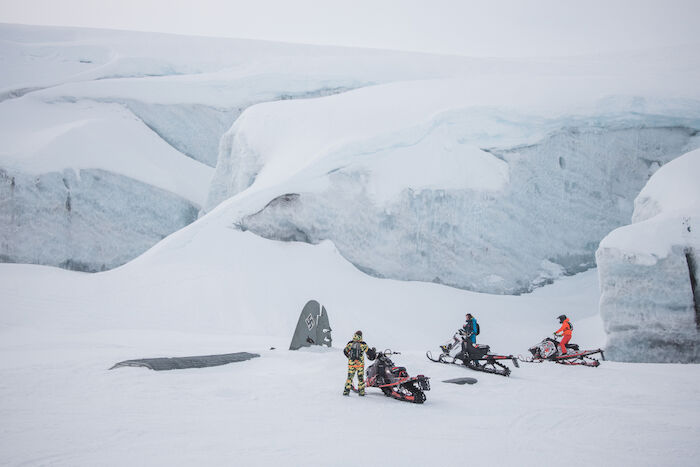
192 129
649 270
564 194
649 310
91 220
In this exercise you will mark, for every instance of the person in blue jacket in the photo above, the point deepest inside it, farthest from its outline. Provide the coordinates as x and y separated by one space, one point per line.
468 331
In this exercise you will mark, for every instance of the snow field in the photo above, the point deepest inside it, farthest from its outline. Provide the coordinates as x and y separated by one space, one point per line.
61 406
62 330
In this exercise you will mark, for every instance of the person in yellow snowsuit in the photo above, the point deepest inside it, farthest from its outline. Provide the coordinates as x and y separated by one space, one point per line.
355 351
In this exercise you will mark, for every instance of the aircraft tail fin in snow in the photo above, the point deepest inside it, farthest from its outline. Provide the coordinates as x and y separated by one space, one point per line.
312 328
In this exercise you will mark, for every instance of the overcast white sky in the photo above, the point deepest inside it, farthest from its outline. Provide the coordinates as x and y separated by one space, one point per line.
476 28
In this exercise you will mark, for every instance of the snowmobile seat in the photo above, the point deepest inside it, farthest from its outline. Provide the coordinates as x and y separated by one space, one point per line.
572 346
475 351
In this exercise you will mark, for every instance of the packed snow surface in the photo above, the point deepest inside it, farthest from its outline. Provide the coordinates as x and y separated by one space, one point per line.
210 289
649 270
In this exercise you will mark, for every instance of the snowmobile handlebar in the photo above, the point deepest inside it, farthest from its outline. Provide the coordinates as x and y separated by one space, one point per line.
389 352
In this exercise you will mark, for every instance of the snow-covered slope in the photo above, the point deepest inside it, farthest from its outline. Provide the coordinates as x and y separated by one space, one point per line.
110 137
649 271
212 289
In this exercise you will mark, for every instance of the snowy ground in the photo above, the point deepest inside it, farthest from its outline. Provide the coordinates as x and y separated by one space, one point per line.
60 405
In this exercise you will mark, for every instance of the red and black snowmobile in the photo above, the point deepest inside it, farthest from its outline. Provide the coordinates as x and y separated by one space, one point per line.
477 357
394 381
549 349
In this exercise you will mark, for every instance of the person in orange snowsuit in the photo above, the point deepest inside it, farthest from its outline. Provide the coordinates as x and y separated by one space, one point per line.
565 331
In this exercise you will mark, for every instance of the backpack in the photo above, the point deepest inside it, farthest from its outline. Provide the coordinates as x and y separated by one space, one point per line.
355 351
478 329
571 326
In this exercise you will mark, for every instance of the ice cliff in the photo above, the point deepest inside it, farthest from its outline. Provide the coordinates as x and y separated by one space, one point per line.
490 198
649 271
491 175
90 220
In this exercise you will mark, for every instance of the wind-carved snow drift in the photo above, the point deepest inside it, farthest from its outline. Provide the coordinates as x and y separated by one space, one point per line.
649 271
438 201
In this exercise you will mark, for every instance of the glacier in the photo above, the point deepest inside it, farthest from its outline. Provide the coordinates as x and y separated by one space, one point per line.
649 270
490 199
112 160
124 128
489 175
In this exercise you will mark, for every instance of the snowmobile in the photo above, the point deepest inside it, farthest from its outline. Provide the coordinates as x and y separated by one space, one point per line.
477 357
394 380
549 349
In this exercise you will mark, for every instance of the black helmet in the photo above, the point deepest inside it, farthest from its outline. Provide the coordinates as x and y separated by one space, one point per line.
359 333
561 318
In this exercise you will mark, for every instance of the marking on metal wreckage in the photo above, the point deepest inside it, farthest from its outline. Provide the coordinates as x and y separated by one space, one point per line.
180 363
